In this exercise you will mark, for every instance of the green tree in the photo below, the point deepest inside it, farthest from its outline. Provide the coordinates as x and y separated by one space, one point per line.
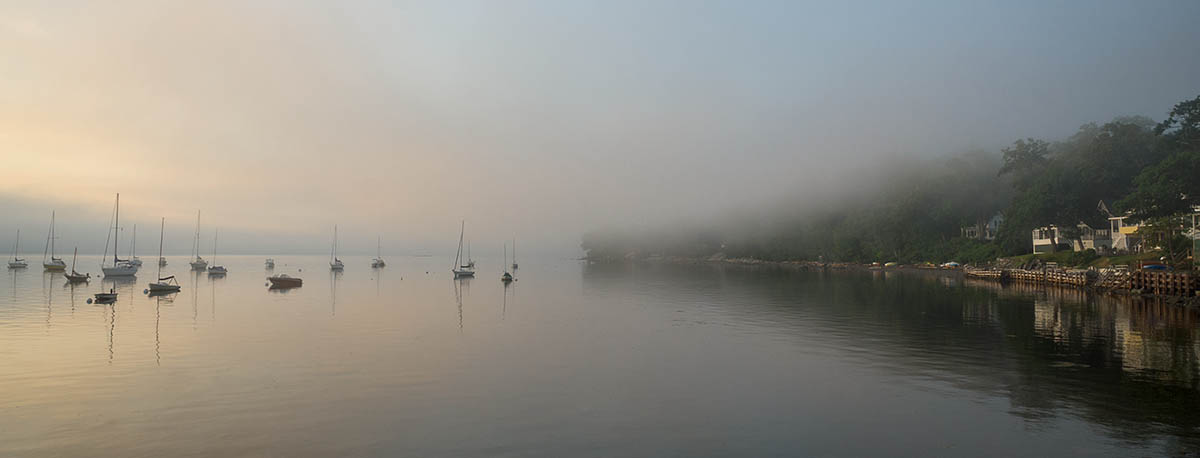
1171 187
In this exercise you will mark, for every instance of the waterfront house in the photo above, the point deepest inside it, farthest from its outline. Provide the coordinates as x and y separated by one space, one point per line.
1049 239
983 230
1125 237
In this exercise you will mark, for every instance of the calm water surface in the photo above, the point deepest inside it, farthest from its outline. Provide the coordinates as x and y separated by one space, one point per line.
579 360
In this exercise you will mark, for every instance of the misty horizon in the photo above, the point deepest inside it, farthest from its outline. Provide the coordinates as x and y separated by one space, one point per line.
401 120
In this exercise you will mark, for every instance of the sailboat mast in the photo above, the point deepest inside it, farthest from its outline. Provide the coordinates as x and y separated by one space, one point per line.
457 255
214 259
16 243
49 235
196 241
133 242
161 225
52 235
117 231
73 256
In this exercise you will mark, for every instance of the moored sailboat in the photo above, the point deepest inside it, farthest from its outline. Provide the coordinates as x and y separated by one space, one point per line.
133 259
378 263
462 270
215 269
15 262
197 263
76 277
120 267
334 262
49 261
506 277
164 284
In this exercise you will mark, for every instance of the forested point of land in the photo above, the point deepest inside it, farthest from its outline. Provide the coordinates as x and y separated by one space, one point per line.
915 211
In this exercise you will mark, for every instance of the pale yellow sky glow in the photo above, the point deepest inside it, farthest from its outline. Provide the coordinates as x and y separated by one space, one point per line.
539 120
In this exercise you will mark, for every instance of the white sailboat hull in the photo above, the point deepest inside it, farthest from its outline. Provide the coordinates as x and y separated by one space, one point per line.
17 264
135 262
199 264
120 270
55 265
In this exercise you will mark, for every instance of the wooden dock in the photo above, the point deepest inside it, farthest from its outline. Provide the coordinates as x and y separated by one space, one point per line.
1158 283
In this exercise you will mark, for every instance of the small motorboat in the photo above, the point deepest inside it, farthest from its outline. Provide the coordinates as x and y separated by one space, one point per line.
162 262
285 281
270 263
107 298
217 270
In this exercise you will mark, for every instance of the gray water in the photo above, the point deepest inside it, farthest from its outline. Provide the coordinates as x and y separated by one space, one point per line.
588 360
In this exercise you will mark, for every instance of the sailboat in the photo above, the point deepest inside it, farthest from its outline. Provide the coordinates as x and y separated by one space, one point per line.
76 277
164 284
215 269
133 259
514 264
507 277
378 263
462 270
49 262
162 262
120 267
17 263
197 263
334 262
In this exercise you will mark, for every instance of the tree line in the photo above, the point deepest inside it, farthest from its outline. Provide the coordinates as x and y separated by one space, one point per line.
915 211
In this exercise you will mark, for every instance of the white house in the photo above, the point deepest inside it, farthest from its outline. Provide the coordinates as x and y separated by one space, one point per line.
1044 239
984 230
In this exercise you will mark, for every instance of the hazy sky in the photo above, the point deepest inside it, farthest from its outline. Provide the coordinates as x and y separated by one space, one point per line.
538 120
